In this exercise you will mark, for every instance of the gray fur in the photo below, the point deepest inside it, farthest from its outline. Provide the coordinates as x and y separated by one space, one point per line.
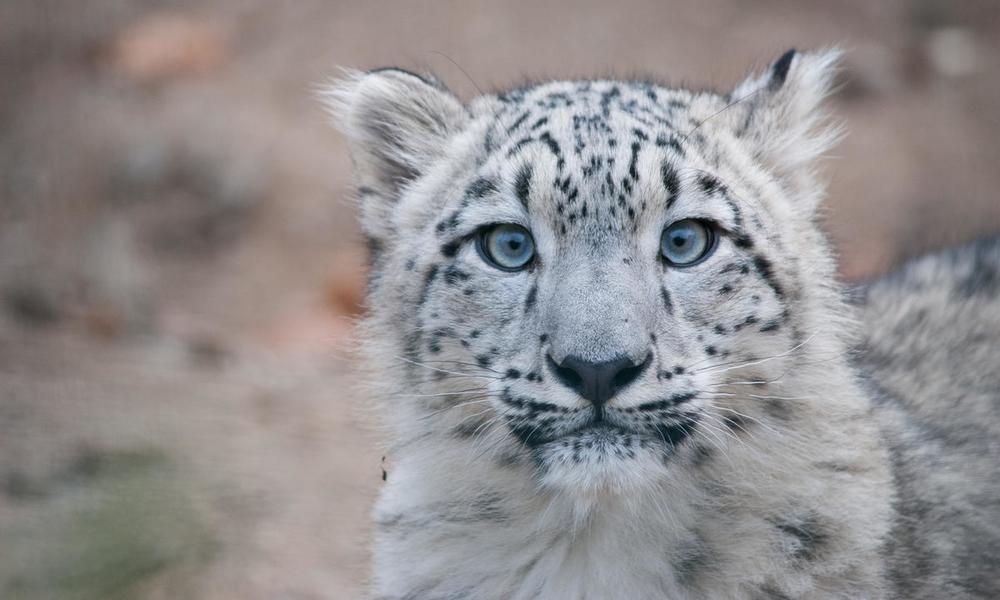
932 356
760 456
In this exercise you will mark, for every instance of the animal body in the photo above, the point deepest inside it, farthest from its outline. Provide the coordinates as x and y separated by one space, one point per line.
613 359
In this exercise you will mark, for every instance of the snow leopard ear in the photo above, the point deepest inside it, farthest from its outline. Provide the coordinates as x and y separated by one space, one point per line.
781 116
396 123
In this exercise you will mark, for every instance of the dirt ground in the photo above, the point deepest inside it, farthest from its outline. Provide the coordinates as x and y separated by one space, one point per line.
180 268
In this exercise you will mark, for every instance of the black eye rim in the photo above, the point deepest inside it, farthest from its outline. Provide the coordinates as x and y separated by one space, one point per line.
484 253
711 228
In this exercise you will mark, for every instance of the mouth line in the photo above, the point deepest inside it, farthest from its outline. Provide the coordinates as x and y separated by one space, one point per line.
669 434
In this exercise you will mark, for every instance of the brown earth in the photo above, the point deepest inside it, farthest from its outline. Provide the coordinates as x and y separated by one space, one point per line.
179 264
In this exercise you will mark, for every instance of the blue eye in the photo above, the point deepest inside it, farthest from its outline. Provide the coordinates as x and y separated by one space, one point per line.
687 242
507 247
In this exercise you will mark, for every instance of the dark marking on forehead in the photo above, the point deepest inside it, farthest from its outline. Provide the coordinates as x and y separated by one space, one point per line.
480 188
606 99
522 184
708 183
671 182
672 142
553 145
520 121
633 162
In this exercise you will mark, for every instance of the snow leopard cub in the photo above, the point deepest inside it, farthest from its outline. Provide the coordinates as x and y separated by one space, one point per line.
614 361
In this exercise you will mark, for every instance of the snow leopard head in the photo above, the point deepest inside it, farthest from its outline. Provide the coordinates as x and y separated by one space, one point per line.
592 278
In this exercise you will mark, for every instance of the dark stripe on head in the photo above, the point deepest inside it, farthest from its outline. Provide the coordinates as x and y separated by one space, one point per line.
522 185
671 182
480 188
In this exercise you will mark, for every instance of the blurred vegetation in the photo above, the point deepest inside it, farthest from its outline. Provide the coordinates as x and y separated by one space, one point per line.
102 528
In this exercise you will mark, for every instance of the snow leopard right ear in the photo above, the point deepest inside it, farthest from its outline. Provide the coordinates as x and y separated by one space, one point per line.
396 123
780 114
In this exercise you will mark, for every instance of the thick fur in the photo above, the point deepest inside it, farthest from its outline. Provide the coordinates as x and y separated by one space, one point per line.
754 459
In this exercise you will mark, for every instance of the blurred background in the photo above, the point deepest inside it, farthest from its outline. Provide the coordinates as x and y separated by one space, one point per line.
180 267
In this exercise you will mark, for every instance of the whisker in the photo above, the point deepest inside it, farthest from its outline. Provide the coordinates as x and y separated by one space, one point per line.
474 400
457 373
464 364
455 393
716 369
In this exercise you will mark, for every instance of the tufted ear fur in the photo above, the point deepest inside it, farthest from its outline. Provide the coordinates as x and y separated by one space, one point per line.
781 117
396 123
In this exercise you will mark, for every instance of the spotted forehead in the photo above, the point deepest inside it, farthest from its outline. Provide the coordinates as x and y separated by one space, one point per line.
593 132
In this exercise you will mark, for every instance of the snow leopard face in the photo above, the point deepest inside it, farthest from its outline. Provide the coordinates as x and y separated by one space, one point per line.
587 279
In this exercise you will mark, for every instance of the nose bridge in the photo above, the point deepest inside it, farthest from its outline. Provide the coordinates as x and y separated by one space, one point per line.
597 314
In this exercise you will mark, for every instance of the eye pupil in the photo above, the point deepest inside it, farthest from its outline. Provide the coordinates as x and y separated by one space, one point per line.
686 242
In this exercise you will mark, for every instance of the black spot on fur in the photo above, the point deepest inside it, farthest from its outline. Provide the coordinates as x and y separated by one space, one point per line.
432 274
633 162
674 434
772 325
520 120
743 241
806 537
522 185
779 72
665 403
766 271
692 557
551 143
453 275
671 182
450 249
708 184
529 302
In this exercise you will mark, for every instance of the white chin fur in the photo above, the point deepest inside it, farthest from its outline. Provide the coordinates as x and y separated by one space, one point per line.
596 464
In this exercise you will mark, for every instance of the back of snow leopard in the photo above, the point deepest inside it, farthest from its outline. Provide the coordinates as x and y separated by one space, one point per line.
932 355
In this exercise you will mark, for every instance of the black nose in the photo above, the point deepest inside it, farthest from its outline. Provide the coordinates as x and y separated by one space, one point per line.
598 382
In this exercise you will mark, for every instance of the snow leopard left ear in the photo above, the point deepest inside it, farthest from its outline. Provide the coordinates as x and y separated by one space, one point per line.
397 125
780 115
